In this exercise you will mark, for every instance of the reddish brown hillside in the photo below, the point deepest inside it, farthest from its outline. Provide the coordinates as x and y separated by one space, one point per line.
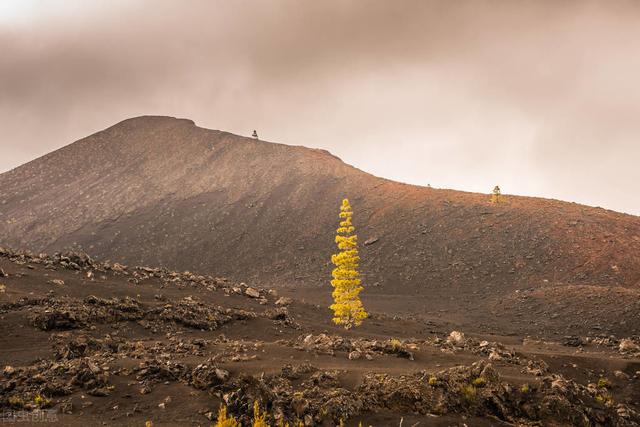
162 191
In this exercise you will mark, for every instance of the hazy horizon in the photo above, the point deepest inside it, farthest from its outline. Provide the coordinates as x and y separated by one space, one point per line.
537 97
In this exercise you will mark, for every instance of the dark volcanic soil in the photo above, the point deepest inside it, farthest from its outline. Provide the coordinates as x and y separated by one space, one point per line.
547 293
162 191
103 344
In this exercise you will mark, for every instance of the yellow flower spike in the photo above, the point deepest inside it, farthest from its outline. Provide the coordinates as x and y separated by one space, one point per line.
224 421
347 307
259 418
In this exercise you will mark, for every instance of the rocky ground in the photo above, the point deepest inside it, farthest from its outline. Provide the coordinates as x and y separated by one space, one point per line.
92 343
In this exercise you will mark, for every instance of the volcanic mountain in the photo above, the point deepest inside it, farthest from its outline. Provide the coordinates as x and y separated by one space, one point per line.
161 191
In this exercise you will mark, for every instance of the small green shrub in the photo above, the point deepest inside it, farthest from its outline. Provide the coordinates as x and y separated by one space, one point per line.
605 398
395 344
468 393
479 382
42 401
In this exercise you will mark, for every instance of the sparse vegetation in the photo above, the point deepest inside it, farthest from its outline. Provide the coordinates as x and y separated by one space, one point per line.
479 382
433 381
259 419
496 195
468 393
224 420
347 307
395 343
42 401
604 383
606 398
525 388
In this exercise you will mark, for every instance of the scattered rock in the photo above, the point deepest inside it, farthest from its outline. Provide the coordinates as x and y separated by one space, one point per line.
371 241
329 344
281 316
119 268
537 367
628 345
253 293
284 301
205 377
58 282
456 337
494 356
572 341
620 375
83 363
56 319
150 372
99 392
198 315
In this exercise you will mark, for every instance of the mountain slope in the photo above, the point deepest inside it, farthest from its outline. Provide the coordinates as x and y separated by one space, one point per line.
162 191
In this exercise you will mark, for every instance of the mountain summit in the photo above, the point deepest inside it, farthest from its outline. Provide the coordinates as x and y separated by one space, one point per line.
162 191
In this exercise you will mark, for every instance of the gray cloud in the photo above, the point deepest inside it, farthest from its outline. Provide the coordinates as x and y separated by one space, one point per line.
540 97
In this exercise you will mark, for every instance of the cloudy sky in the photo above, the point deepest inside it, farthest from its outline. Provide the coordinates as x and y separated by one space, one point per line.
542 98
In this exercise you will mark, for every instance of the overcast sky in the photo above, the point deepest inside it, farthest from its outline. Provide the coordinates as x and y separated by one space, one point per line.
542 98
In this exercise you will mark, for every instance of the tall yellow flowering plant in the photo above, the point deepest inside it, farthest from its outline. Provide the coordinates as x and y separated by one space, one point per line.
347 307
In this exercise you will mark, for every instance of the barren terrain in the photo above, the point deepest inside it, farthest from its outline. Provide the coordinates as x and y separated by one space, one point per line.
522 313
161 191
106 344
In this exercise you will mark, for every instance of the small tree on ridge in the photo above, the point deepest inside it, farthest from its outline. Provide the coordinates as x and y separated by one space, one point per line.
496 195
